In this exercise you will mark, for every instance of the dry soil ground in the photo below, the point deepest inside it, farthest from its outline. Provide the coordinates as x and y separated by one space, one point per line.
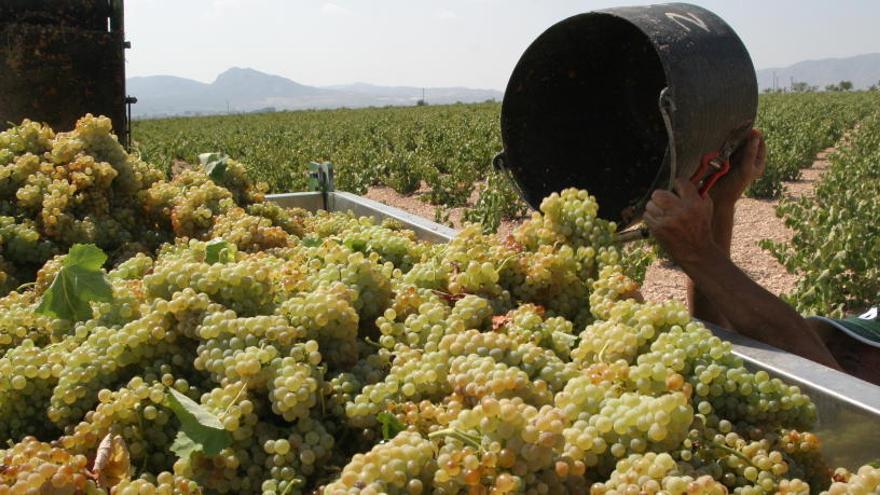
755 220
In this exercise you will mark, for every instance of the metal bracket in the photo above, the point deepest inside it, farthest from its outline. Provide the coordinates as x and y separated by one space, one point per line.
321 180
129 101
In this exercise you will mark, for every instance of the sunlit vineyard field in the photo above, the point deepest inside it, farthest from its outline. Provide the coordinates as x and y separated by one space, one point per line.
448 147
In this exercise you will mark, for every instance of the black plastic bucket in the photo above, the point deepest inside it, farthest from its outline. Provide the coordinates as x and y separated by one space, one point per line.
583 105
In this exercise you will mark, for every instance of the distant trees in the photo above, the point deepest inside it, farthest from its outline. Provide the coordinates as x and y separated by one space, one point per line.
802 87
841 86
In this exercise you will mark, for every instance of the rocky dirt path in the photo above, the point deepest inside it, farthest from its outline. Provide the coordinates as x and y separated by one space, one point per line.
755 220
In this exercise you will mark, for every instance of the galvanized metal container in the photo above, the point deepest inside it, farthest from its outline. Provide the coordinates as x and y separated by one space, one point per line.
848 408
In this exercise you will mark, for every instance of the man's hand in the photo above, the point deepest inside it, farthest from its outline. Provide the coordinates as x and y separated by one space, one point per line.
746 165
681 223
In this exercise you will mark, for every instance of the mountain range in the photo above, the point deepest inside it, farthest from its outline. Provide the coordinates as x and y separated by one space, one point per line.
248 90
862 70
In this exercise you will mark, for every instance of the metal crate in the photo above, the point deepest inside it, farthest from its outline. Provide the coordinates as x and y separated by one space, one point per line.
848 408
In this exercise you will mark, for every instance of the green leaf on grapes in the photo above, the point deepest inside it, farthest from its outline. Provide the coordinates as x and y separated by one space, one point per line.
79 282
215 165
184 446
875 464
198 426
219 251
391 426
358 245
311 241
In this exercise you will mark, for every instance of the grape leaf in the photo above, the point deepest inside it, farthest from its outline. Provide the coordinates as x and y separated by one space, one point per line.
311 241
184 446
219 251
198 427
391 426
79 282
359 245
215 165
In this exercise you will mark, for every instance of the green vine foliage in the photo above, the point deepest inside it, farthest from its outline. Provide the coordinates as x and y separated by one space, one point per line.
639 256
498 201
449 147
835 249
797 127
445 150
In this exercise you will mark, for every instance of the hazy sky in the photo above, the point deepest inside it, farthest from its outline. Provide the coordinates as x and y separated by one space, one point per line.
471 43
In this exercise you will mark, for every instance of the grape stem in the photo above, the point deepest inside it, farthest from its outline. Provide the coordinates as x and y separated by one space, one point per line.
244 385
467 438
372 342
733 452
323 371
26 285
504 263
289 484
601 356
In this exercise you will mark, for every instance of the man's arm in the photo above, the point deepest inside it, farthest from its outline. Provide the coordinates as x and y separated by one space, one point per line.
752 310
699 303
682 224
746 165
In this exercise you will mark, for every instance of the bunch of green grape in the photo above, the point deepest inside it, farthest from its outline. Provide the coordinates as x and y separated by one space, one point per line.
81 186
326 353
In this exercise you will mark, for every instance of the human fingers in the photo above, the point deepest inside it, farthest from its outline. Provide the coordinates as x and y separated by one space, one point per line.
665 199
650 220
654 210
686 190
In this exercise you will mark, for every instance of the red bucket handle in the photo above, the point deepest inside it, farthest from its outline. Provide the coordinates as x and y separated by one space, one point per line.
711 169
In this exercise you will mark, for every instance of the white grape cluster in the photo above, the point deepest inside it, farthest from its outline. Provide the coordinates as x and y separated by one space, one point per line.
31 465
82 187
864 481
655 473
328 316
401 466
294 388
342 356
248 232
